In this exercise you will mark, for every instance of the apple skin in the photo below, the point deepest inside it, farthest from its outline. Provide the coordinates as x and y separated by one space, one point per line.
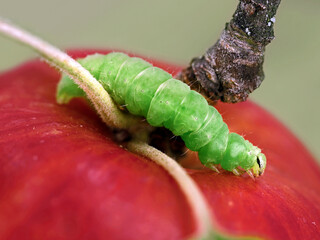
62 176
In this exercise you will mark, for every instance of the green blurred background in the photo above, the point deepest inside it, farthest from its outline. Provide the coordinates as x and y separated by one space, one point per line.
161 29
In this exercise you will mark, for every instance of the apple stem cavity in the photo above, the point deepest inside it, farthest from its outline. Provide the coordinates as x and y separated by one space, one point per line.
115 118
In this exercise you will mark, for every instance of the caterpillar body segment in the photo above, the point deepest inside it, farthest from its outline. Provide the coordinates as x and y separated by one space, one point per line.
190 114
143 88
163 106
152 93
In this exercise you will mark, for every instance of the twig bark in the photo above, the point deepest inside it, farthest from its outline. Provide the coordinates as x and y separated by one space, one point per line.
232 67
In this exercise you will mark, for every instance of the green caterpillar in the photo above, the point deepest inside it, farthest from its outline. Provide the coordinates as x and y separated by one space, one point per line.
152 93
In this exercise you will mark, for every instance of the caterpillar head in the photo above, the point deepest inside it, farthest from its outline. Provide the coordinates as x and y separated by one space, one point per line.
259 165
241 156
255 161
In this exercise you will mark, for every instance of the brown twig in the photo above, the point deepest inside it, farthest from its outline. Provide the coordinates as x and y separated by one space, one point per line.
232 67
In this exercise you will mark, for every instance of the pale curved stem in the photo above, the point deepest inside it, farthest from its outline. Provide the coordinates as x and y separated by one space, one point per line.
101 100
190 189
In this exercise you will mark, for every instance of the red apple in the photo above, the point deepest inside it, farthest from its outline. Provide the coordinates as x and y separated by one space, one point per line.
62 177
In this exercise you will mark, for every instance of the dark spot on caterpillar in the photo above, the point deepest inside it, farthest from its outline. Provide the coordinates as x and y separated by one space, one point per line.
258 161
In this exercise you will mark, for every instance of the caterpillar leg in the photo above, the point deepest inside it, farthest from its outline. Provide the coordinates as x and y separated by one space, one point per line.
236 172
239 172
213 167
250 174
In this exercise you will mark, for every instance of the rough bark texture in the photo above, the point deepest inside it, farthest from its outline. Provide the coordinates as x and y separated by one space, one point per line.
232 68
